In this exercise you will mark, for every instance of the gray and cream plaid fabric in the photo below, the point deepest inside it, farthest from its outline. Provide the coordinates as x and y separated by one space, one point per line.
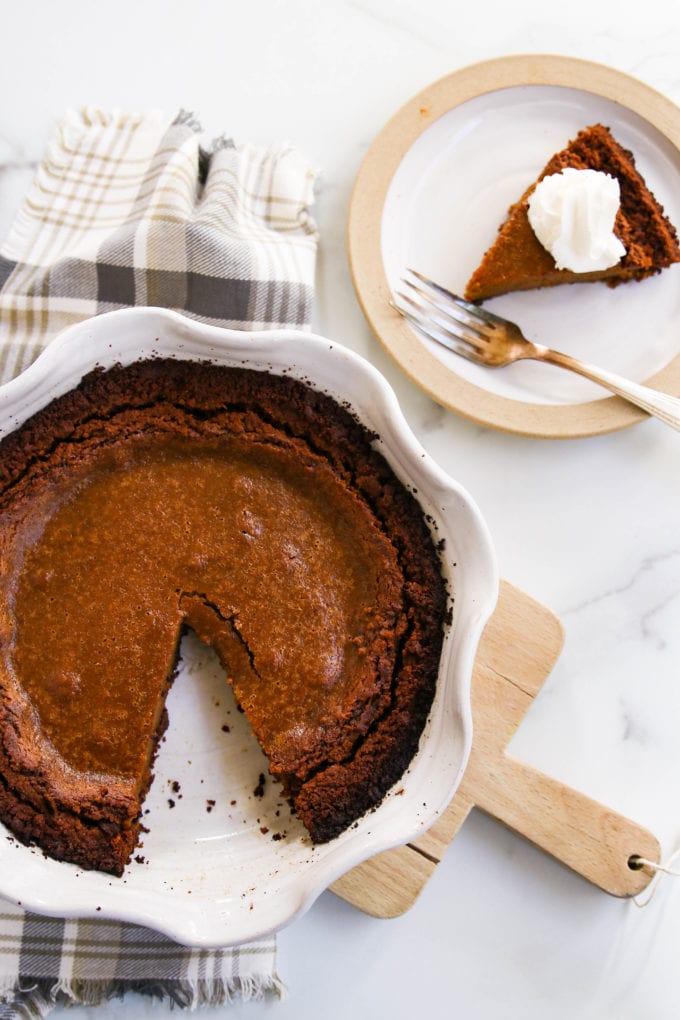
133 210
44 960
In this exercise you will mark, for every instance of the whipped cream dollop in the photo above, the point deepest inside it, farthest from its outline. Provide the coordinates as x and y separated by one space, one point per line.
572 214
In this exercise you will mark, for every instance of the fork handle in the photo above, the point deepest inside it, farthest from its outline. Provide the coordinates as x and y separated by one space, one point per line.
661 405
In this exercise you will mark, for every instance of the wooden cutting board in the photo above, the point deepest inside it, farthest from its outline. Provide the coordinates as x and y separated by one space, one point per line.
519 648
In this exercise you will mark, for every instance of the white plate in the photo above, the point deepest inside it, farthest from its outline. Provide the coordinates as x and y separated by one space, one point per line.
216 874
450 190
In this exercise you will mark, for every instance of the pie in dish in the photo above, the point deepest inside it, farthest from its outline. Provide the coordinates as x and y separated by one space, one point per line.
250 508
518 261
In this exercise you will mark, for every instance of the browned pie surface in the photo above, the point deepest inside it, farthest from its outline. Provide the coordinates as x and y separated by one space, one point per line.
248 508
299 574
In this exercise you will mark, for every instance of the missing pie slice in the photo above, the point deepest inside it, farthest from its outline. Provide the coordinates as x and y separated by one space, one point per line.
518 261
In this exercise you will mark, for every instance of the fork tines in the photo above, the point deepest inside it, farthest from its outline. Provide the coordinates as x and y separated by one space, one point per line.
440 314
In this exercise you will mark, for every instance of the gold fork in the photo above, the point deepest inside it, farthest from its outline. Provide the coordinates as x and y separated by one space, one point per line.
488 339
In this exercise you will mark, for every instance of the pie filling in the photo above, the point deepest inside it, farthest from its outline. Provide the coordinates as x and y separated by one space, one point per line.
253 510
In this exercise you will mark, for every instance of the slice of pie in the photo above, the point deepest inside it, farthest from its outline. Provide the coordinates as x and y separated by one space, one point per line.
518 261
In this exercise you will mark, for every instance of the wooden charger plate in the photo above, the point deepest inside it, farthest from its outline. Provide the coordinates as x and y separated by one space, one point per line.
431 193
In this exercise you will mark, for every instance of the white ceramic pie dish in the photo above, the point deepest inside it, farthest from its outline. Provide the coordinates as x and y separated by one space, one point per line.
221 865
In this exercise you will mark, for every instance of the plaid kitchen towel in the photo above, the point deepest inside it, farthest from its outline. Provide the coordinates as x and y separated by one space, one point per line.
45 960
134 210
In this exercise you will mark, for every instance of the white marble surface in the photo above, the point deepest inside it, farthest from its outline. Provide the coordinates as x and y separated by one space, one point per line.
589 527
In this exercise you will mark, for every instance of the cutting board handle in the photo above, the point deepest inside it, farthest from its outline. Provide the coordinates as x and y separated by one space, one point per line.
519 648
588 837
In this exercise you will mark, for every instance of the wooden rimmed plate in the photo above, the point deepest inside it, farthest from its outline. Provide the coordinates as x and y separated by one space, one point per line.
431 193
